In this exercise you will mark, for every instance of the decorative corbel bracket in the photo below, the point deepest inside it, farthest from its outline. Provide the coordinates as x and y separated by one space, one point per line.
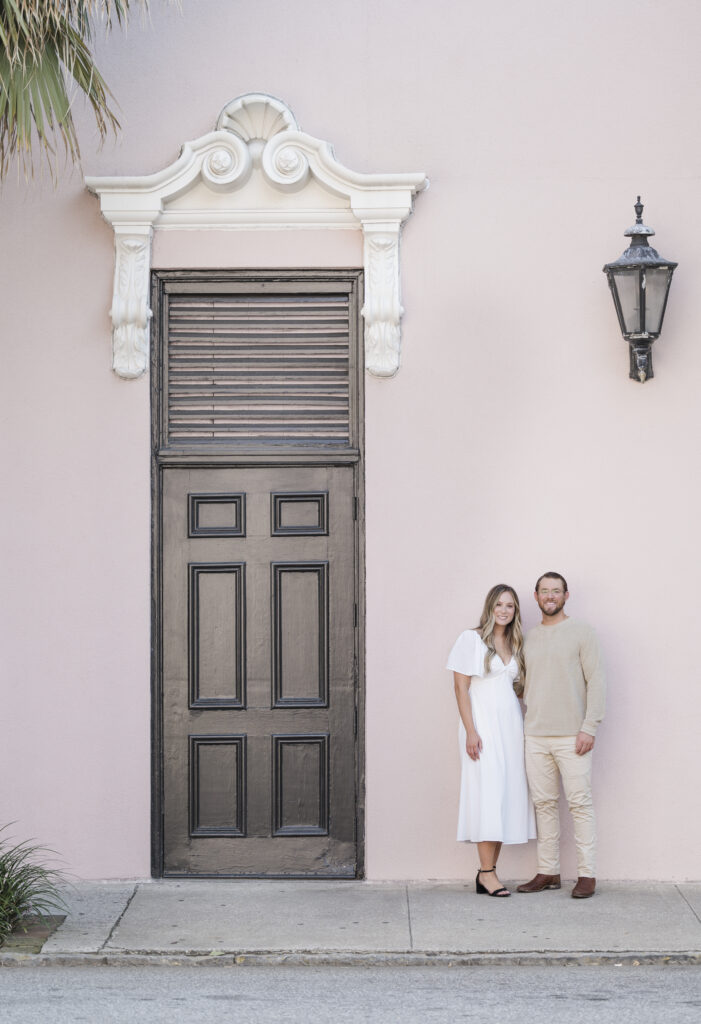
256 135
130 311
382 310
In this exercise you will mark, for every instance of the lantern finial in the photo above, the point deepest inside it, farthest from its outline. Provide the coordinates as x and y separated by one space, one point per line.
639 232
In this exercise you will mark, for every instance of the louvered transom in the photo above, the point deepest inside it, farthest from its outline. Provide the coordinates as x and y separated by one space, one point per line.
265 368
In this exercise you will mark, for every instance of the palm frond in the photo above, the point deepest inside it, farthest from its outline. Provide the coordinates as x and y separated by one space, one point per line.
45 58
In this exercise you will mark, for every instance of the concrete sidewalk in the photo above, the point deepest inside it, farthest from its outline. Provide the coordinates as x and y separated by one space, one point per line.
254 922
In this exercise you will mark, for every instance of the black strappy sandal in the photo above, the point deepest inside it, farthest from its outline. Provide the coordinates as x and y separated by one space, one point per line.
481 889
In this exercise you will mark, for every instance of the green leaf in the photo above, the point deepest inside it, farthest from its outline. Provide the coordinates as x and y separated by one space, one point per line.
27 885
44 56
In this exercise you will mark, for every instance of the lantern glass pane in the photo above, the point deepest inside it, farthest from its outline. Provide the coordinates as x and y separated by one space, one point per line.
656 285
628 287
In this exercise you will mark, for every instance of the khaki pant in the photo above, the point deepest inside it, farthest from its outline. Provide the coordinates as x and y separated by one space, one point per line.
549 758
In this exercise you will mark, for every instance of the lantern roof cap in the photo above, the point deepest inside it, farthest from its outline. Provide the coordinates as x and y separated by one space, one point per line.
638 256
640 253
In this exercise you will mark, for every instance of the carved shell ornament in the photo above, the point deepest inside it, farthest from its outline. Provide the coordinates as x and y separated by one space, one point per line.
256 116
256 134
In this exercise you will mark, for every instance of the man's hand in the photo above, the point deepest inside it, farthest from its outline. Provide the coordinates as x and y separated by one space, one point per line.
584 743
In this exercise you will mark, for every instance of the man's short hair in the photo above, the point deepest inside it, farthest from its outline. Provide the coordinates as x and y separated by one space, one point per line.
552 576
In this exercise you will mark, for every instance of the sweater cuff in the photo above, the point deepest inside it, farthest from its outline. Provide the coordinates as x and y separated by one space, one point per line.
588 727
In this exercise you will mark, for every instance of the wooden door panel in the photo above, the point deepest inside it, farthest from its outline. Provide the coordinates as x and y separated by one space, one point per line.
300 623
217 779
259 671
216 634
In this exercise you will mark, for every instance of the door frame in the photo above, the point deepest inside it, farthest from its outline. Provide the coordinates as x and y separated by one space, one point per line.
183 456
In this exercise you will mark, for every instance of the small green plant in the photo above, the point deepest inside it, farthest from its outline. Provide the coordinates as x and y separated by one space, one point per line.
27 886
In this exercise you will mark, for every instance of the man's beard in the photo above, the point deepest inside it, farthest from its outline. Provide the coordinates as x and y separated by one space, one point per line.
553 611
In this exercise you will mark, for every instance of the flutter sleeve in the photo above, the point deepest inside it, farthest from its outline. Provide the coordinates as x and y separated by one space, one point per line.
467 655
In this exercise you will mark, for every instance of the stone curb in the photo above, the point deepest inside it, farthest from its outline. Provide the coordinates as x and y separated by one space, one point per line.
352 959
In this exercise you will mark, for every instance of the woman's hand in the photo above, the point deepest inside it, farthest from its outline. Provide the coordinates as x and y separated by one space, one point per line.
462 695
473 745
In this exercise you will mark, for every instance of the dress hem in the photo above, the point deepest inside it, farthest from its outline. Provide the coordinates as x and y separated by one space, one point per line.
504 842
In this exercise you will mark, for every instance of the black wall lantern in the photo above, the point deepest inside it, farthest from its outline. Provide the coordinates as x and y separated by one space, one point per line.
639 281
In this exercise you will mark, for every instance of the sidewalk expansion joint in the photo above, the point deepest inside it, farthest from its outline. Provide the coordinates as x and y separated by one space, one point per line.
408 914
693 911
117 923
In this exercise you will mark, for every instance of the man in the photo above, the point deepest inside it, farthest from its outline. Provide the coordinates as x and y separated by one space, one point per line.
564 696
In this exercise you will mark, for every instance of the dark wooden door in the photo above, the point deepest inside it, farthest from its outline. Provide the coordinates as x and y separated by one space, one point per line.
259 670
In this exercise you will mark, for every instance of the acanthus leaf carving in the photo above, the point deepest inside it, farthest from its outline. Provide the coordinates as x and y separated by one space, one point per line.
382 310
130 311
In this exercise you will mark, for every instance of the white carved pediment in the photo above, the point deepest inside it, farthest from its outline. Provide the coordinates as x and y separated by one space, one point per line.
281 209
257 170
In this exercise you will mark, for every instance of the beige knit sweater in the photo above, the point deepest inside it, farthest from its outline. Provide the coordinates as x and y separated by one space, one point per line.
565 687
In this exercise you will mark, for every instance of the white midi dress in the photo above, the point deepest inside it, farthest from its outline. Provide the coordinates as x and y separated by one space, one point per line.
495 805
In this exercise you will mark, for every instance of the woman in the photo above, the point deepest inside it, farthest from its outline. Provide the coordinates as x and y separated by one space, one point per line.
487 664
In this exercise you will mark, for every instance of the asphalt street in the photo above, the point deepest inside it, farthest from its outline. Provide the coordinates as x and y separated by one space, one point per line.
340 995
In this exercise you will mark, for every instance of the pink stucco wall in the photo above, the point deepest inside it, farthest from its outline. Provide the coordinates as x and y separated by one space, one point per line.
511 440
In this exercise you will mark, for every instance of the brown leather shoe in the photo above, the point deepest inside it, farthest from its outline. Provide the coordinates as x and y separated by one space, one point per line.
584 888
539 883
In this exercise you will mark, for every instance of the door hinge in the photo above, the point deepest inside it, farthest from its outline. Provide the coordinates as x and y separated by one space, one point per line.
355 720
355 509
355 615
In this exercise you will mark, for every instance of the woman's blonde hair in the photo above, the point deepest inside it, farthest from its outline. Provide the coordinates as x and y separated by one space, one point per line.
513 632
